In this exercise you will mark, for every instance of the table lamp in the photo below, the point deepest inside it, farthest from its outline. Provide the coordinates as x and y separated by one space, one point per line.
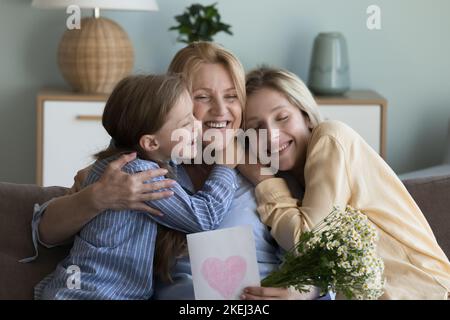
97 56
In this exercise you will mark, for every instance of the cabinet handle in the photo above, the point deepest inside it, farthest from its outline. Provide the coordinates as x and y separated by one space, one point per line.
89 118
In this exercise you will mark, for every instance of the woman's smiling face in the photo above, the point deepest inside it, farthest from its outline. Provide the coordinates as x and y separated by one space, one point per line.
271 110
216 102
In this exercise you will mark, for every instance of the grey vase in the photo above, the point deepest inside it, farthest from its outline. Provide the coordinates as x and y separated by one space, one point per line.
329 72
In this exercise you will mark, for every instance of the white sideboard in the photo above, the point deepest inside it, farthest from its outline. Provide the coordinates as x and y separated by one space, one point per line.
363 110
69 133
69 129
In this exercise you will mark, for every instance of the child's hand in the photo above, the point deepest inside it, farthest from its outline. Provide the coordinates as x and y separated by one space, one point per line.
79 179
232 155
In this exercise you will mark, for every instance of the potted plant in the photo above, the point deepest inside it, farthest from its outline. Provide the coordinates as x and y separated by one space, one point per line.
199 23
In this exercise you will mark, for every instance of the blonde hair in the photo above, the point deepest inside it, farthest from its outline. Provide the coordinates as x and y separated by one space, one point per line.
287 84
188 60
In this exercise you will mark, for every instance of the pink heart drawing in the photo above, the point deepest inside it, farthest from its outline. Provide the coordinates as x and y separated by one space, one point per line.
224 276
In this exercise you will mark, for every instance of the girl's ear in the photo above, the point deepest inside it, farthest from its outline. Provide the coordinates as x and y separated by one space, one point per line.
149 143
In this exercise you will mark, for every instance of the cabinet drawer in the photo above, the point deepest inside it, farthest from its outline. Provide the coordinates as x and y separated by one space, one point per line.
364 119
72 133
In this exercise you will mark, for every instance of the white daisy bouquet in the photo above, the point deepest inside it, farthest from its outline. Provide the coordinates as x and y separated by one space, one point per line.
339 255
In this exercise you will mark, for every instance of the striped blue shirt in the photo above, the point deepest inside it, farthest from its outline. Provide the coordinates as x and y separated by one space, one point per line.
241 212
114 251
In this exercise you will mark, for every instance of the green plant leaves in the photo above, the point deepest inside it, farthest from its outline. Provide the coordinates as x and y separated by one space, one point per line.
195 9
211 12
199 22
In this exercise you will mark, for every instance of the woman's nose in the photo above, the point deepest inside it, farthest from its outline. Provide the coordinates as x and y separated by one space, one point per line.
219 107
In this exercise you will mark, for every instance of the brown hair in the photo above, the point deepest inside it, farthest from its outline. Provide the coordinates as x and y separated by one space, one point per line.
139 105
287 84
188 60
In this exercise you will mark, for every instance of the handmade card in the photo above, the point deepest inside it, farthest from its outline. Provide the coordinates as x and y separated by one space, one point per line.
223 263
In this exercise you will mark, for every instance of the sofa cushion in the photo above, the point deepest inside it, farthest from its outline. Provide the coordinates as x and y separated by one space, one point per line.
432 195
16 209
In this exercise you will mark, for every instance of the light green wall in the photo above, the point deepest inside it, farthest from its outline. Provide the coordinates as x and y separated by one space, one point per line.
407 62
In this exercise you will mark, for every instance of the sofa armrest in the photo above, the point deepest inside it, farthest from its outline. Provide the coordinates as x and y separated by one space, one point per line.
432 195
16 210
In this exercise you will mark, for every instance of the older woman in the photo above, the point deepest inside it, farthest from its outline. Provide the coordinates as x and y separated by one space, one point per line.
217 83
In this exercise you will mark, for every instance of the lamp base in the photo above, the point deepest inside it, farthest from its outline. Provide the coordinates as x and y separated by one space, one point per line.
96 57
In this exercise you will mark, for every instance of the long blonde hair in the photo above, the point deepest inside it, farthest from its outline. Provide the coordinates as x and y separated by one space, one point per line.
188 60
287 84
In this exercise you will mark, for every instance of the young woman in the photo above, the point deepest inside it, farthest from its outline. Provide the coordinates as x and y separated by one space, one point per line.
337 167
216 80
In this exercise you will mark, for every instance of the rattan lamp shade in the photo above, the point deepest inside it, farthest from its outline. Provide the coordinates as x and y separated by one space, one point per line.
91 63
97 56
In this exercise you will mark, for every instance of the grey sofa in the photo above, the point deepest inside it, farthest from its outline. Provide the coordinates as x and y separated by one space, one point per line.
16 203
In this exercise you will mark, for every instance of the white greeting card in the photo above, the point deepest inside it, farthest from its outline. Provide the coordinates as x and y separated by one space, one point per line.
223 263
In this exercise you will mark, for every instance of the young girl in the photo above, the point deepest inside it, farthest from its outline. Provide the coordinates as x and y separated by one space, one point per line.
114 253
337 167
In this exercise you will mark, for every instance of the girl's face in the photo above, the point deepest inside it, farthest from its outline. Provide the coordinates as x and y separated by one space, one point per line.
179 133
216 103
269 109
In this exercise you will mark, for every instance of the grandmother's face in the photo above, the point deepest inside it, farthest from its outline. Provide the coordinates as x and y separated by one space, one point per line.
216 102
